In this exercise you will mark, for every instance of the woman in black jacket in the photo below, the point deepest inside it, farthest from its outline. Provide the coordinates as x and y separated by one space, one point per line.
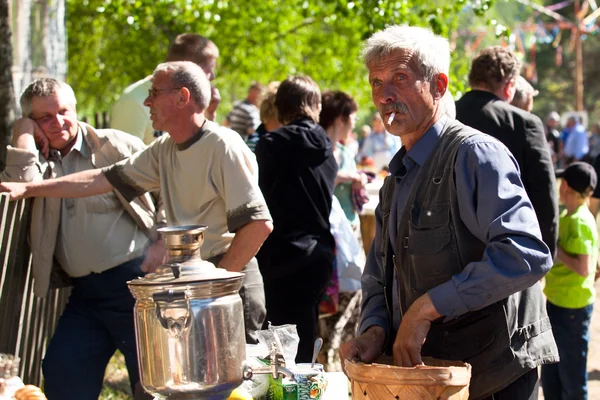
297 173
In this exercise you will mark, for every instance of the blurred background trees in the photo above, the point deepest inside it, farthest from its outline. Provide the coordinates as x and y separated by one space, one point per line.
102 46
114 43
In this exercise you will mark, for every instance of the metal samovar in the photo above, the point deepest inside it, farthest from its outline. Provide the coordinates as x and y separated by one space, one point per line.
189 324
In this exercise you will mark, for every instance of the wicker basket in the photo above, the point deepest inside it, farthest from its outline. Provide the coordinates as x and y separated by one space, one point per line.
436 380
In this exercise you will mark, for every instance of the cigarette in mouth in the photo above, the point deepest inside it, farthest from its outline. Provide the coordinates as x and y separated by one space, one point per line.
391 119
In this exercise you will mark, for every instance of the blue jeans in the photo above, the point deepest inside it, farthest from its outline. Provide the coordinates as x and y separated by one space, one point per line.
97 320
568 379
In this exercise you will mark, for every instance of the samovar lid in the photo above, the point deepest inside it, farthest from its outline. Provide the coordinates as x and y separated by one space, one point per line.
185 273
181 241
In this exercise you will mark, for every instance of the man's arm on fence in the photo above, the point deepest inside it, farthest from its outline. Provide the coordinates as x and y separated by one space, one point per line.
81 184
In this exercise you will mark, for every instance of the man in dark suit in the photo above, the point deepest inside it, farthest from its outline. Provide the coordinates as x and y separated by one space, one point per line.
486 108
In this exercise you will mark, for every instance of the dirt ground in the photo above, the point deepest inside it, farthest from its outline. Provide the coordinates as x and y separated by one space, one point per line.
594 352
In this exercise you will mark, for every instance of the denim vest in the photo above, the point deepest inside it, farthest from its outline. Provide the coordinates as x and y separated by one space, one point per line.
501 341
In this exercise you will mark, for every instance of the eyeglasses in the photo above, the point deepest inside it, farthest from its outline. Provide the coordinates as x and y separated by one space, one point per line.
153 93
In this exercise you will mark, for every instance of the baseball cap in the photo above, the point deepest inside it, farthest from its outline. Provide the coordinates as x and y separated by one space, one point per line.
580 176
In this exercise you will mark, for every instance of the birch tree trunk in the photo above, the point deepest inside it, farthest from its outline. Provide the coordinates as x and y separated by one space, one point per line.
7 99
36 48
39 42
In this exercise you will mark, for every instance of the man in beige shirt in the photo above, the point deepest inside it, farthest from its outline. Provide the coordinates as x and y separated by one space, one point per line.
96 244
129 114
206 174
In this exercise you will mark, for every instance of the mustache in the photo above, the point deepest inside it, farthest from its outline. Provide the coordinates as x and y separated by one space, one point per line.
397 107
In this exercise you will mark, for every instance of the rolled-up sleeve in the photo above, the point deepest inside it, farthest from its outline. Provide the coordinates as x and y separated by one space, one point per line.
235 178
373 306
21 165
137 174
495 208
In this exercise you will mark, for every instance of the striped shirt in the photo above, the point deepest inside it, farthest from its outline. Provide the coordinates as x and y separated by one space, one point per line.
244 118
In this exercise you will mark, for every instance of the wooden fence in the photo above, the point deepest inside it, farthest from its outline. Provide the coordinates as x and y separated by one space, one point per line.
26 321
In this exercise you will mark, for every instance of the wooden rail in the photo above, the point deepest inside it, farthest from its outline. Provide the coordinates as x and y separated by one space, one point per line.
26 321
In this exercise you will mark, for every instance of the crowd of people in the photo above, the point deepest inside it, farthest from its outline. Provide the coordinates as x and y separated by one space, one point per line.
467 226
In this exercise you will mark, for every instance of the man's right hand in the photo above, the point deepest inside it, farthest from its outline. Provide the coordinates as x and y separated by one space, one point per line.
156 255
365 348
24 129
16 190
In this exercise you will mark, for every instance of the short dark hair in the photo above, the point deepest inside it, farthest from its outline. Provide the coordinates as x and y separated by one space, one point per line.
192 47
336 104
298 97
494 67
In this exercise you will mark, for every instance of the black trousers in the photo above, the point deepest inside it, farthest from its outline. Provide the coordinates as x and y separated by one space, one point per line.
97 320
524 388
294 299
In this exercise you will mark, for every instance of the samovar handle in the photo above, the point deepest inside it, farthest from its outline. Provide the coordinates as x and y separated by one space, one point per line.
170 296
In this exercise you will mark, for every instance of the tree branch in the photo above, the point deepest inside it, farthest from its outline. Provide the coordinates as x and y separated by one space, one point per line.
306 22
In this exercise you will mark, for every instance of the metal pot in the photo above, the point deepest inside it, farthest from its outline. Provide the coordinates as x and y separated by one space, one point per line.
189 323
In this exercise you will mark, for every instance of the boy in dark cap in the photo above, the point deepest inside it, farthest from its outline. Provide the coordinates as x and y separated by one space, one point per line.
570 285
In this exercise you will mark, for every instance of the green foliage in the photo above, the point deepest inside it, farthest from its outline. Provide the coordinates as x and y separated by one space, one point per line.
116 380
113 43
555 82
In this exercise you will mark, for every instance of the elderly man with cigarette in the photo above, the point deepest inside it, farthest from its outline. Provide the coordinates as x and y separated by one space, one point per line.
455 266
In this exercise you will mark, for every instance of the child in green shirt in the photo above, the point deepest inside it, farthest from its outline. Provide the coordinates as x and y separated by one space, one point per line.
570 285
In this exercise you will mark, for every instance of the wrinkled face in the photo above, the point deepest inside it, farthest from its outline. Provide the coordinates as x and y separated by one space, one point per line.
397 86
57 118
162 101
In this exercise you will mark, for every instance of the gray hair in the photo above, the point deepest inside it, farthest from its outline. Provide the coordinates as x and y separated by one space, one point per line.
432 51
189 75
45 87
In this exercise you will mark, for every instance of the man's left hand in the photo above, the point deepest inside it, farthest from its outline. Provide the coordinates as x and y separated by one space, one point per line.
413 332
16 190
156 255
